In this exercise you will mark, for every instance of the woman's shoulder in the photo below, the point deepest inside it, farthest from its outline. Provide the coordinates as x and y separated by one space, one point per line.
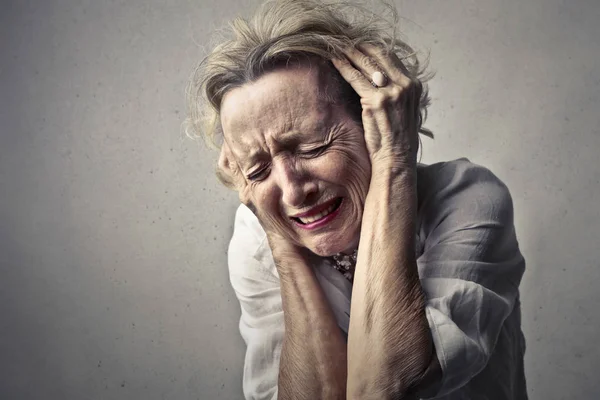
455 177
460 186
449 172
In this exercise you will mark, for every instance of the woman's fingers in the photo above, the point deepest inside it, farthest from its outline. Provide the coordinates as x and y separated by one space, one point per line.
390 63
364 62
357 79
360 65
397 72
227 170
390 112
363 70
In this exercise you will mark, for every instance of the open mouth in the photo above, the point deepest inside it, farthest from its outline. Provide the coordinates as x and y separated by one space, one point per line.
309 220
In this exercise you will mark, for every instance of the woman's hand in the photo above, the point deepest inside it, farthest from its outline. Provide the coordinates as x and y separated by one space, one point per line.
284 252
387 299
390 112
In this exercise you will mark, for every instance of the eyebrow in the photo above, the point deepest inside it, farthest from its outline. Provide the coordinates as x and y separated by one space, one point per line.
252 158
319 133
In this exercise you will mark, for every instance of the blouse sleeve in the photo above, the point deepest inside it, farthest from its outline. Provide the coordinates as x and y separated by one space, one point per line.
470 268
256 284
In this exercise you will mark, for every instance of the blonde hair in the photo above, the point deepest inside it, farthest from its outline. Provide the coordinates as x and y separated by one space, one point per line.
284 31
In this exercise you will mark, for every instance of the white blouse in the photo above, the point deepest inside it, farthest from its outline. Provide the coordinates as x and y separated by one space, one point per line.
470 267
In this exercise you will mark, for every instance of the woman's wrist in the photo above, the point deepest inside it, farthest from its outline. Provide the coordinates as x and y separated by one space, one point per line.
393 166
391 202
393 176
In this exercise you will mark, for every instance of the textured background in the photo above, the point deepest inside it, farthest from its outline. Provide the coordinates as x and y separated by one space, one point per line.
113 230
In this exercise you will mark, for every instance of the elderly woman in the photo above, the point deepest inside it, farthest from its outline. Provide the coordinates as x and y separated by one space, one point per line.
361 273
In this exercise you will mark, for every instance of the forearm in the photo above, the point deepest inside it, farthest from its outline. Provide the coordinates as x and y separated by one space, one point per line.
313 357
389 344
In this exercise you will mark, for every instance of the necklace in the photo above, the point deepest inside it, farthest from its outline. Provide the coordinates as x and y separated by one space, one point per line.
345 263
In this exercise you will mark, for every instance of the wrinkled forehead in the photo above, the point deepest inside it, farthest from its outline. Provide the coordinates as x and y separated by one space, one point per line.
282 103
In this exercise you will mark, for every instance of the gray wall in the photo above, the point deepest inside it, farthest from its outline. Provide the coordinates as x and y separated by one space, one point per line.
113 231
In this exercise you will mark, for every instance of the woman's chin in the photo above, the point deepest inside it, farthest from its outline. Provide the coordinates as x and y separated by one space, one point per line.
323 252
328 248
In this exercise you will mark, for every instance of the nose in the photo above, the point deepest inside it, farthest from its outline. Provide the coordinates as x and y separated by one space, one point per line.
295 185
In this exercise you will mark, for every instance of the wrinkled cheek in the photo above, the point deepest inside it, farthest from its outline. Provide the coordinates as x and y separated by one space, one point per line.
354 174
358 177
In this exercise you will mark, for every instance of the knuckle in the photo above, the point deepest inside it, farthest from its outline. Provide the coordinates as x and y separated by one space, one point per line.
223 164
227 166
369 62
381 52
343 61
355 75
380 99
377 101
405 82
226 178
367 106
395 93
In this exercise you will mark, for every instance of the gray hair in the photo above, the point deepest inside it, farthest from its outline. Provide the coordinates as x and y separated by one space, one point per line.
284 31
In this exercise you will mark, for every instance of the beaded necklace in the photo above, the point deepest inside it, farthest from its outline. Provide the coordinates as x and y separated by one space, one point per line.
345 263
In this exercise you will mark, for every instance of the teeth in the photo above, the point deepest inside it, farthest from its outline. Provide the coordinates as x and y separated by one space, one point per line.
316 217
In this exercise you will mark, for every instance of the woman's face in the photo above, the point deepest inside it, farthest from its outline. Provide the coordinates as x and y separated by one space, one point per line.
302 162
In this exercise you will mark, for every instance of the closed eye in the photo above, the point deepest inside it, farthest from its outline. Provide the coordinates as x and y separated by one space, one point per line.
258 175
314 152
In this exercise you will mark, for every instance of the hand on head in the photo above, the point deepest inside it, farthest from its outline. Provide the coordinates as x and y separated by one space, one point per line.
390 103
